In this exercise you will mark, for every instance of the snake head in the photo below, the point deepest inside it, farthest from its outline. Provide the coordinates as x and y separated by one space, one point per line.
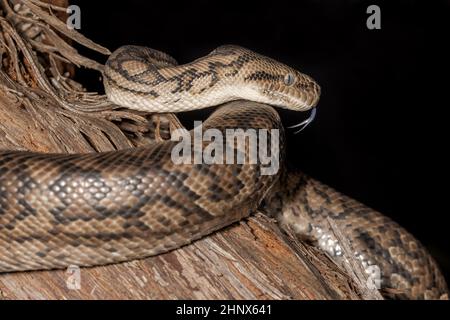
268 81
287 88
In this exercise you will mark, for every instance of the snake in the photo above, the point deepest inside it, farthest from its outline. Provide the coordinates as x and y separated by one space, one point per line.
91 209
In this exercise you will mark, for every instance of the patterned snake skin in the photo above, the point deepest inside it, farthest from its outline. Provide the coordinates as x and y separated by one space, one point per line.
94 209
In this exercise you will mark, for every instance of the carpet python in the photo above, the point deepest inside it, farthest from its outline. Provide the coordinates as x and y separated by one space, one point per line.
93 209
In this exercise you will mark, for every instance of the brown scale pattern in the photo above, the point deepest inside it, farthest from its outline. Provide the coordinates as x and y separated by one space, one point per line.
305 205
93 209
147 79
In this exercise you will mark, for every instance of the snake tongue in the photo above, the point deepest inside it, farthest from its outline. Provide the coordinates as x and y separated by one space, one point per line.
306 122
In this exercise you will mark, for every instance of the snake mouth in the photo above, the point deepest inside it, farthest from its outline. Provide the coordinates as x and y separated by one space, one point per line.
290 99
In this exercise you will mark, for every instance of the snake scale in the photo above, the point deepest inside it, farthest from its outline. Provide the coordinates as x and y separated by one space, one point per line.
95 209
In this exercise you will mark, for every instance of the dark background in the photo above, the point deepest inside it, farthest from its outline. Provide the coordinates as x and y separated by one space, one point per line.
381 132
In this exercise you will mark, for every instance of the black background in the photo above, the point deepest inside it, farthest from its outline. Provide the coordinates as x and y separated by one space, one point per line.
380 135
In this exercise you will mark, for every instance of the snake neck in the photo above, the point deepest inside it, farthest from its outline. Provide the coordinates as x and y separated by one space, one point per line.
148 80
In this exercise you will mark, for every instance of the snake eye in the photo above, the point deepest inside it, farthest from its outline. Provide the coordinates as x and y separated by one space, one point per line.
289 79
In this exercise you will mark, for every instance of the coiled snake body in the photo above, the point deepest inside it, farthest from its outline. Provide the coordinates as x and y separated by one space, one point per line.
93 209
